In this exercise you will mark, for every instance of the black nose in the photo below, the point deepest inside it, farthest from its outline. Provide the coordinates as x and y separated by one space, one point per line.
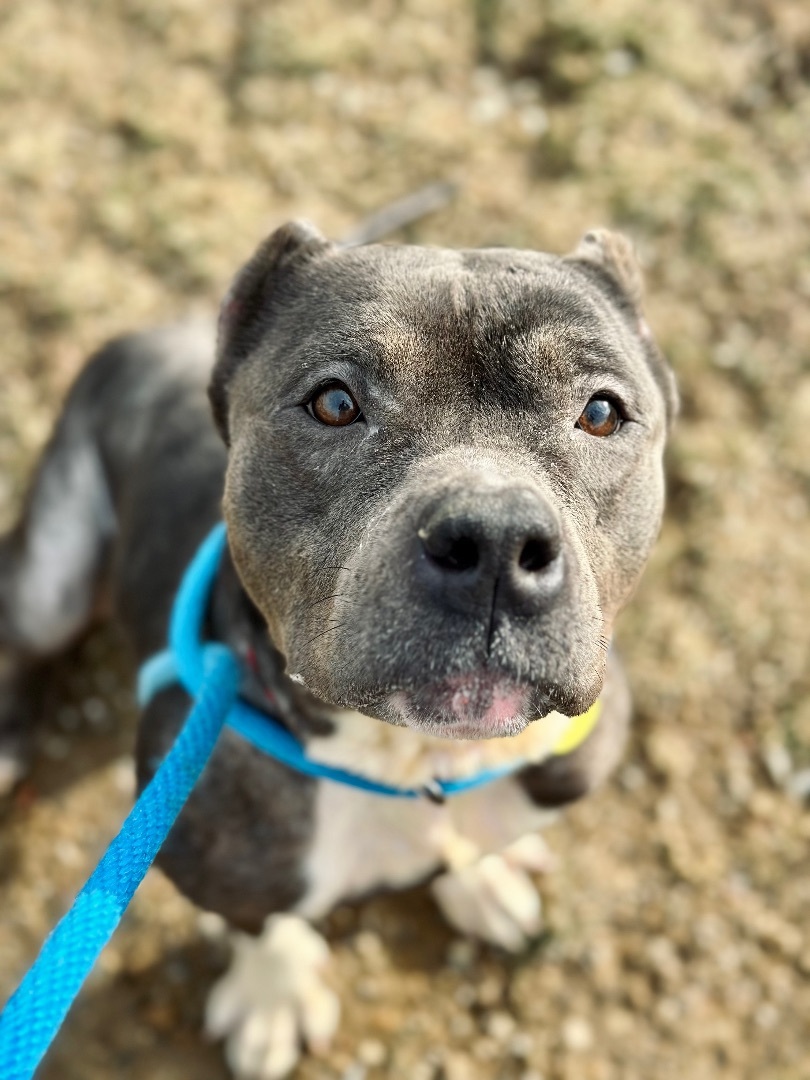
502 546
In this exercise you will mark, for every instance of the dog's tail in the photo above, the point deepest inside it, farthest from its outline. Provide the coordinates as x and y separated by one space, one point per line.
398 215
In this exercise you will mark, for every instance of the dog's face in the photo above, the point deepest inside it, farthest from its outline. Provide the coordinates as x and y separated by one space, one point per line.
445 470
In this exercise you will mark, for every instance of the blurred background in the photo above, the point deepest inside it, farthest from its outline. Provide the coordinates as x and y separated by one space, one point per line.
145 147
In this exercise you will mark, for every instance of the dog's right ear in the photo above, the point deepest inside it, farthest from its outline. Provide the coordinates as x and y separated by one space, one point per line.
241 326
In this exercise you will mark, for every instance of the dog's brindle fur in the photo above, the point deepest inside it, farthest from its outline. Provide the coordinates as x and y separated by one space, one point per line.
471 369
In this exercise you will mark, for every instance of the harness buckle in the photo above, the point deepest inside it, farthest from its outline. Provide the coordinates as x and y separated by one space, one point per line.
434 791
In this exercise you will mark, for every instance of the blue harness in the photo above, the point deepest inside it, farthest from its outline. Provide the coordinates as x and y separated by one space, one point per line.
211 675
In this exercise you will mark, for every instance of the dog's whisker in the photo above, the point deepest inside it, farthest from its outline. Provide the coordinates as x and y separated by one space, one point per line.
304 605
331 596
322 633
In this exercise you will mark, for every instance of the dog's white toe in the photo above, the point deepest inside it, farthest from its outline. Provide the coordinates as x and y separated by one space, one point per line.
273 999
530 852
493 900
265 1046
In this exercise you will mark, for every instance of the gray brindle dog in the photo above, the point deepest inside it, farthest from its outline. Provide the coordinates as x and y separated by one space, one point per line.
442 476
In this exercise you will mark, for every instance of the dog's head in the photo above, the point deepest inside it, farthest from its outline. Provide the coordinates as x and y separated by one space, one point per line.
445 470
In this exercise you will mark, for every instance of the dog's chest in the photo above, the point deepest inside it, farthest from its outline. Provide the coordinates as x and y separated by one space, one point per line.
364 842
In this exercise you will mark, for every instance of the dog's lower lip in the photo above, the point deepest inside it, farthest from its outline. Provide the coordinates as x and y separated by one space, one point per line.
478 704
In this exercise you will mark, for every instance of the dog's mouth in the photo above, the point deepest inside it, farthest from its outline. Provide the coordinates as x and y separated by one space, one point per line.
481 703
478 705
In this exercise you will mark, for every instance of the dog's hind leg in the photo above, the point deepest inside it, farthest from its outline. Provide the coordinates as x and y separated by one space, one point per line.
51 577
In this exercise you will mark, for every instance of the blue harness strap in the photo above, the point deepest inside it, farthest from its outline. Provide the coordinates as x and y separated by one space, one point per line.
35 1012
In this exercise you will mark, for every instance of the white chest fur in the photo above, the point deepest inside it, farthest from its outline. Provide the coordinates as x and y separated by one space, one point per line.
365 842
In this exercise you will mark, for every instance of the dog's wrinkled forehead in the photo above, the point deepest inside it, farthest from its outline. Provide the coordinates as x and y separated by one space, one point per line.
486 326
489 322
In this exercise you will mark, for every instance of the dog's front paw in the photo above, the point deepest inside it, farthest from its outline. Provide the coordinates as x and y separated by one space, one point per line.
273 1000
493 899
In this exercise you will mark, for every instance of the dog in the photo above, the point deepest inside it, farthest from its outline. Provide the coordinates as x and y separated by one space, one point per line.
441 473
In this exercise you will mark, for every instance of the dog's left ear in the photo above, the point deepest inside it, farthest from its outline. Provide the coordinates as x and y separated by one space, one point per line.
244 312
610 259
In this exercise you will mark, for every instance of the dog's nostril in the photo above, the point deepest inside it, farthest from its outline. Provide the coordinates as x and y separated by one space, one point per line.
537 554
458 554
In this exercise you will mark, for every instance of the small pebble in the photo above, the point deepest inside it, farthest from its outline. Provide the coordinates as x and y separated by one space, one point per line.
461 1027
123 776
12 770
485 1049
462 954
521 1045
110 961
500 1025
372 1053
670 752
577 1034
95 712
766 1016
369 947
368 989
669 1011
619 63
799 785
457 1066
533 120
68 853
425 1070
632 778
354 1072
489 992
778 762
525 91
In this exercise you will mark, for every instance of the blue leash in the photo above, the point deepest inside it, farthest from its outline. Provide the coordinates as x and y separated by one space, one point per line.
34 1014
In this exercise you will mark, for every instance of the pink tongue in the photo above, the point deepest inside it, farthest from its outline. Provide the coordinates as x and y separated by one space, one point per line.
506 703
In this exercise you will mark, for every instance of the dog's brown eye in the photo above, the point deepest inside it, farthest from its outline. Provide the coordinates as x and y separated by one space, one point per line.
334 405
600 417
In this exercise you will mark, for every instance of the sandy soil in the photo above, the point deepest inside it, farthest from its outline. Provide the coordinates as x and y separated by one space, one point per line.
145 147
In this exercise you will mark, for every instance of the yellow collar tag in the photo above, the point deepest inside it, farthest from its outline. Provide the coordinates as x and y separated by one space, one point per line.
577 730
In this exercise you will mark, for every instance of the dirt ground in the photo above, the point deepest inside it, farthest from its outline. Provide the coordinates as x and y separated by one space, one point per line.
145 146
